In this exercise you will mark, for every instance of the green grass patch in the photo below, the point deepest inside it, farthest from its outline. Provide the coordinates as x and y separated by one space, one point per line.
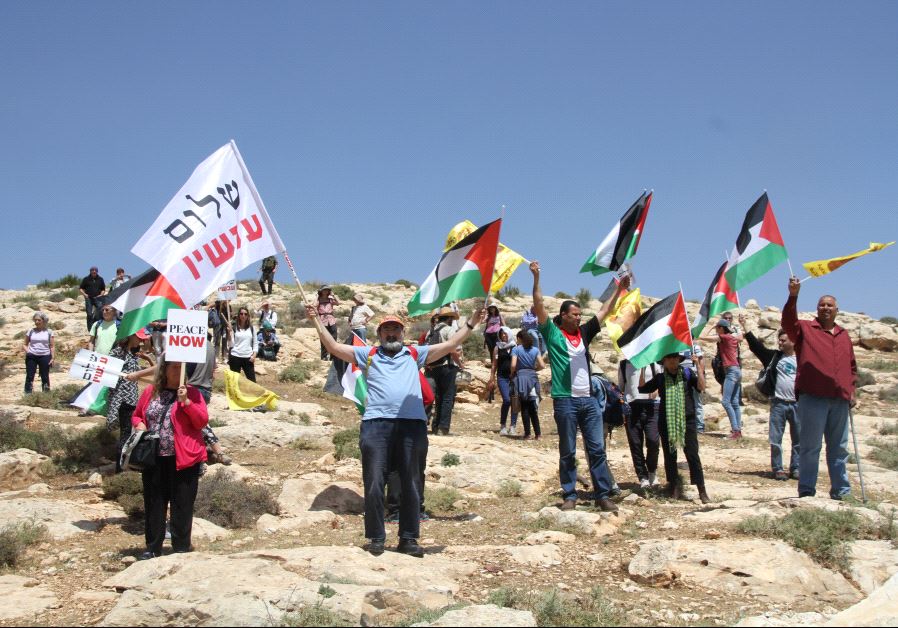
315 615
54 399
889 429
889 394
346 444
15 538
344 293
441 499
822 535
65 281
298 372
70 450
509 487
450 460
326 592
552 607
889 320
405 283
885 453
426 615
213 423
583 297
127 490
305 444
879 364
474 348
231 503
563 295
510 292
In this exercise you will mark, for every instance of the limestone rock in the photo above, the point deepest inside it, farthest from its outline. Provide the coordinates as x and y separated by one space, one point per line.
62 518
873 563
207 531
486 615
544 555
549 536
23 598
594 523
236 471
880 609
260 588
252 429
20 468
878 336
769 570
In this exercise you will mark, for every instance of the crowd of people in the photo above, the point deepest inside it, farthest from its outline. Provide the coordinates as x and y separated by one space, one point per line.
809 378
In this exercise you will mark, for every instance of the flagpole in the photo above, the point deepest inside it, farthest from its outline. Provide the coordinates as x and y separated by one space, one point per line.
259 202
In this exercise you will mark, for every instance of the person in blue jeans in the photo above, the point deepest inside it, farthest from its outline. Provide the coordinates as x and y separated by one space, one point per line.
728 349
393 434
500 377
781 368
575 408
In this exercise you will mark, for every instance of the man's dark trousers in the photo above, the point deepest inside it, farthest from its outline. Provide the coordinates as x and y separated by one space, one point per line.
444 395
388 444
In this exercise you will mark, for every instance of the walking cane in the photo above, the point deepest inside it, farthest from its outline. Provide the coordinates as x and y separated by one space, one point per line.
857 456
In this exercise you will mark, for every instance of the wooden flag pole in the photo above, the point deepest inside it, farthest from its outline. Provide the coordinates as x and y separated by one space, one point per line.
183 372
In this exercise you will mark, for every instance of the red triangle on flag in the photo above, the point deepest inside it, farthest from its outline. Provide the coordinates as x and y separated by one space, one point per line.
161 288
483 253
679 322
770 231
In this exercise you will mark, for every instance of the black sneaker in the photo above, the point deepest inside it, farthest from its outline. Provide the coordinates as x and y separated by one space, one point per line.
375 548
410 547
147 555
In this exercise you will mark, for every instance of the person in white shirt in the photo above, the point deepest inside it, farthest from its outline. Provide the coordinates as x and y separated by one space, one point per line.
267 313
242 337
359 317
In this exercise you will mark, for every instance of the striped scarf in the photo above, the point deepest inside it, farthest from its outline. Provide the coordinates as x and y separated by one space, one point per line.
675 408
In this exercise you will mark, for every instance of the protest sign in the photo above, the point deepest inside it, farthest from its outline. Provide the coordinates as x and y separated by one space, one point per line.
215 226
185 338
90 366
228 292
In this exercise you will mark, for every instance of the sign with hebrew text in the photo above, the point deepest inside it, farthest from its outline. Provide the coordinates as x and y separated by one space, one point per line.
214 226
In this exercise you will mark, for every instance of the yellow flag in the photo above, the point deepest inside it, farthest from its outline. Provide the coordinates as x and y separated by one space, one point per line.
507 261
826 266
243 394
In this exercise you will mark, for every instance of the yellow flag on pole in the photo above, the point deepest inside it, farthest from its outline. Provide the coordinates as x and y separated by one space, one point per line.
507 261
243 394
825 266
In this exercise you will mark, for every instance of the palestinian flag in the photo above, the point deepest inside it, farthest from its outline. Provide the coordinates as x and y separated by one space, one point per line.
719 298
620 245
759 247
144 299
93 398
663 329
355 388
465 271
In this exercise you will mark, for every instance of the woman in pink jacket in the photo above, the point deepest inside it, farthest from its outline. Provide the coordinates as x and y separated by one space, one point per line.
178 415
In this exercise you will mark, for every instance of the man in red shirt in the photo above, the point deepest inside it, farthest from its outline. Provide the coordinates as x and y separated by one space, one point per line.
824 386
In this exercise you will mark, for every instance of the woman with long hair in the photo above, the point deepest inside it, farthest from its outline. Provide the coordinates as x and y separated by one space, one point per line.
500 376
494 322
177 414
243 341
123 398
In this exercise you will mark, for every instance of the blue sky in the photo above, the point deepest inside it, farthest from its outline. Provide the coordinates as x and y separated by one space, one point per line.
371 128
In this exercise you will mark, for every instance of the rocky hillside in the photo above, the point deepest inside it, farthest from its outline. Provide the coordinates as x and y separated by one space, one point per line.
278 532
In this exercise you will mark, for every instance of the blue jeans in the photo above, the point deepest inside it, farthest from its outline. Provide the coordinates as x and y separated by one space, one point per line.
92 308
782 412
504 385
699 411
361 332
34 364
732 391
571 412
823 418
389 444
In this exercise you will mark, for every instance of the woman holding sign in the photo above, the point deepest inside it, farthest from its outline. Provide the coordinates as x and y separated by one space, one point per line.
178 415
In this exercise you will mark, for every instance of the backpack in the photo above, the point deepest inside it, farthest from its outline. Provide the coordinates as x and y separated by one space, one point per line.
214 318
426 391
433 338
617 410
720 373
766 382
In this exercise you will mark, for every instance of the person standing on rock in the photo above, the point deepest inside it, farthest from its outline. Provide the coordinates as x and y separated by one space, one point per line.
40 345
394 425
781 368
676 424
359 317
327 301
567 342
177 414
266 313
825 388
269 265
642 426
92 288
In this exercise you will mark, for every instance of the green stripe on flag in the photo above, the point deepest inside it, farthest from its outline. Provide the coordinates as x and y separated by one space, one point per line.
464 285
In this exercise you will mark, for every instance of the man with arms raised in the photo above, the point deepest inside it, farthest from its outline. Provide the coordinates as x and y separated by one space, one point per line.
824 385
394 422
567 342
